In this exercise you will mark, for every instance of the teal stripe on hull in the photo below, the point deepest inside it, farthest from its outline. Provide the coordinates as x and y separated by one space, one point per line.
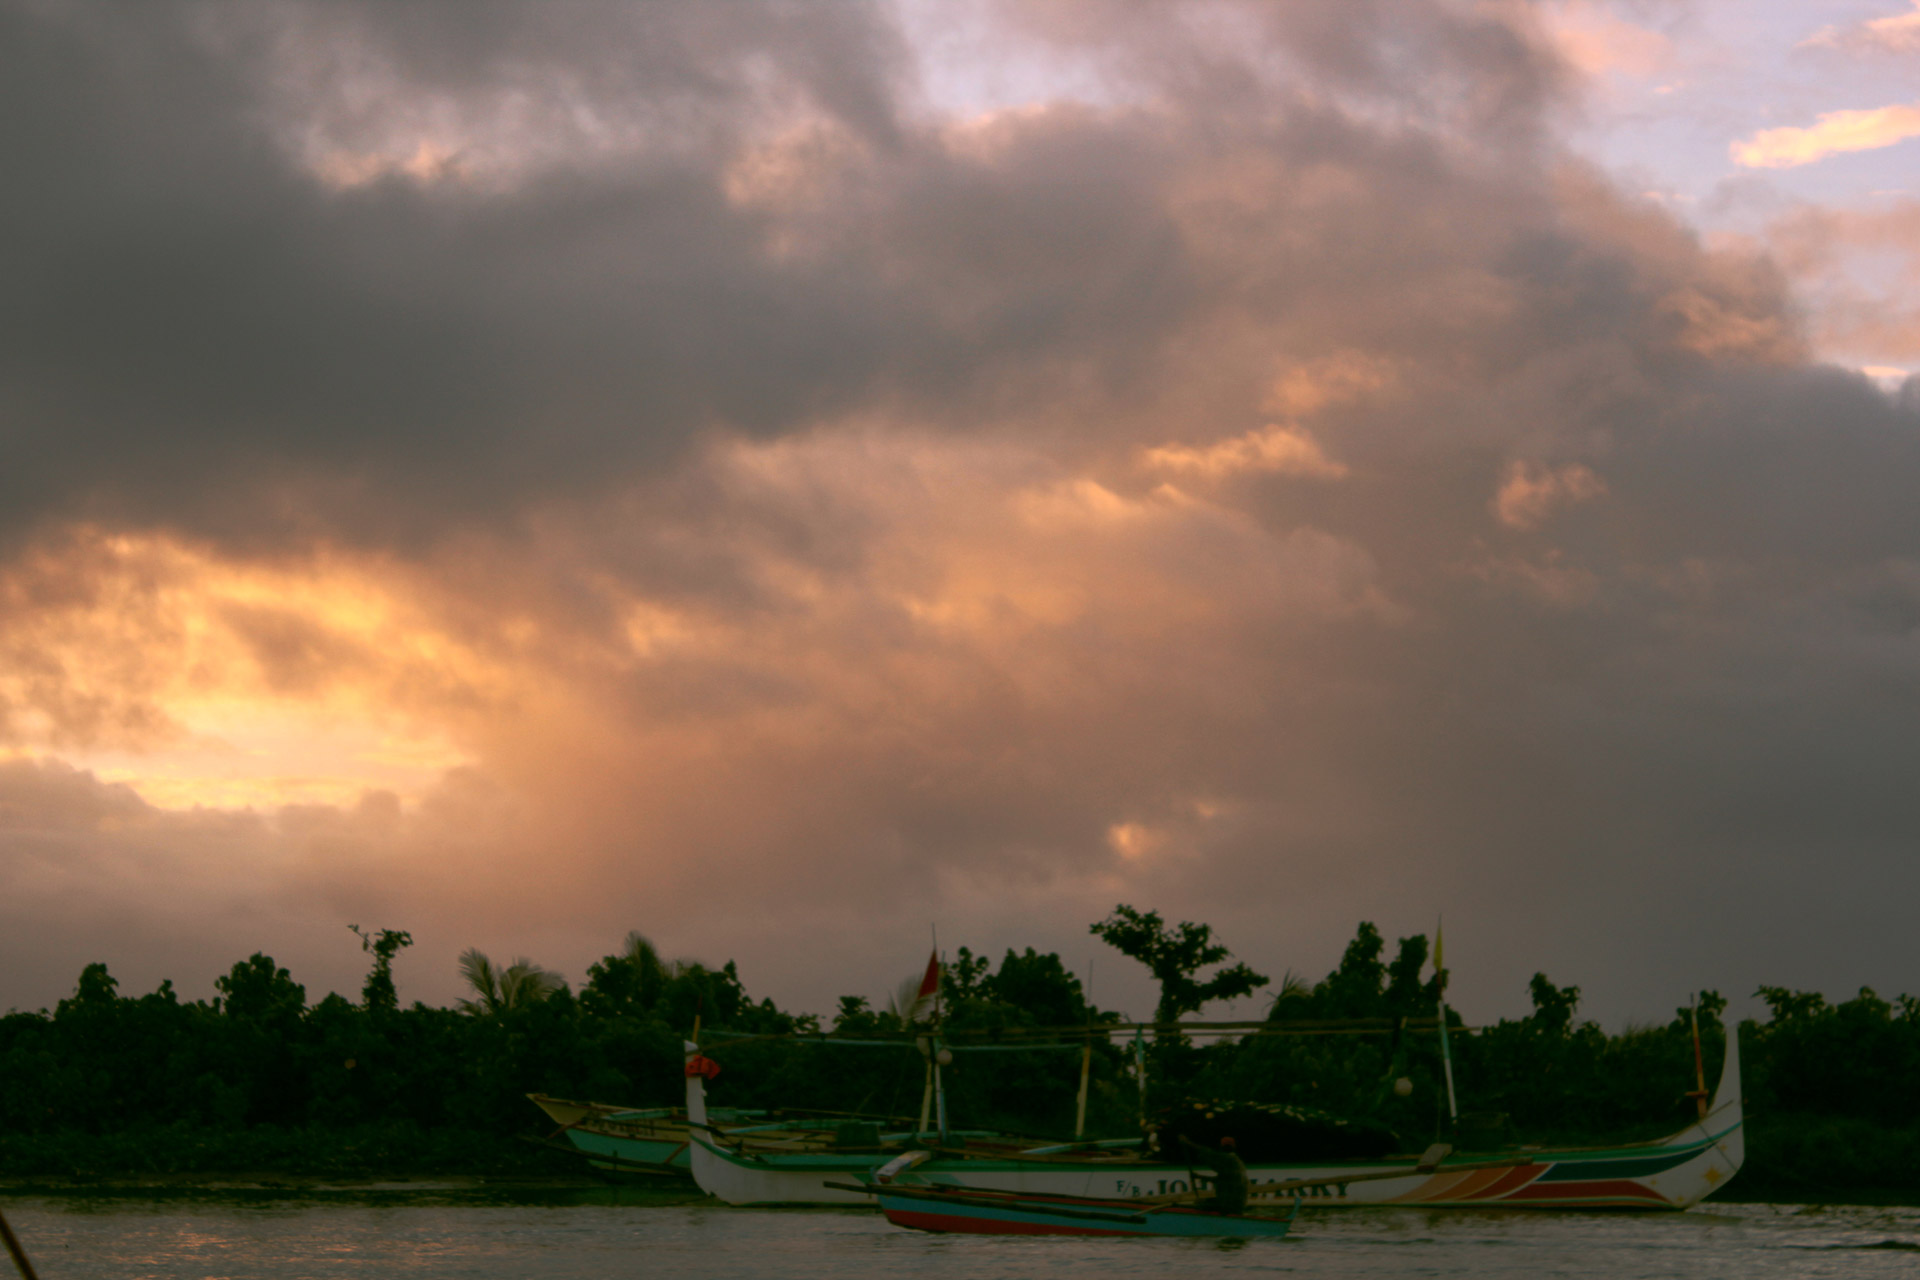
1591 1170
637 1151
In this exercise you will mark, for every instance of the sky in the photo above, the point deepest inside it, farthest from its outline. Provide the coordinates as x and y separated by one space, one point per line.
794 480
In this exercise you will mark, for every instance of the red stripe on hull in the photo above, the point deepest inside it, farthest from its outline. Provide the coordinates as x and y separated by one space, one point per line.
986 1227
1617 1191
1510 1181
1441 1186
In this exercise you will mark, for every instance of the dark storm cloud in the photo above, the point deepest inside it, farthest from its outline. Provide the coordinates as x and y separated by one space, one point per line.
202 329
194 319
215 319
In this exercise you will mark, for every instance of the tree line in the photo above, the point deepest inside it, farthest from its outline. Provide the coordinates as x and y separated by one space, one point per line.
257 1079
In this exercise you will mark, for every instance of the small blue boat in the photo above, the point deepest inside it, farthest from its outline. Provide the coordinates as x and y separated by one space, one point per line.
977 1211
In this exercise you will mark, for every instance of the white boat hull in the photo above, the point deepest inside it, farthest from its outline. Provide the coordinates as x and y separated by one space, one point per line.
1674 1173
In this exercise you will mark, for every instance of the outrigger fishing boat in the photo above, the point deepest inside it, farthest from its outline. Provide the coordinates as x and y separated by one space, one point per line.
1675 1172
655 1142
976 1211
620 1140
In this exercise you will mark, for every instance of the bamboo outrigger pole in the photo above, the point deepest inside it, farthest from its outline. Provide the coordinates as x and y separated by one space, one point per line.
13 1247
939 1086
1086 1060
926 1095
1140 1070
1080 1108
1446 1053
939 1094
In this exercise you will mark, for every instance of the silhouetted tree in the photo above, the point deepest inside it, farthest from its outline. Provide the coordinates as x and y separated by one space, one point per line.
961 978
107 1084
255 991
1175 958
95 990
1364 987
1553 1007
378 992
1039 985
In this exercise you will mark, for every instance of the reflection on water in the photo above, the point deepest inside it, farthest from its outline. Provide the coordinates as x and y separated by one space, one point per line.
209 1239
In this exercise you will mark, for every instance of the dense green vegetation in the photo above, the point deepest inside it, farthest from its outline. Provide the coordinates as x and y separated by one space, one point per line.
259 1080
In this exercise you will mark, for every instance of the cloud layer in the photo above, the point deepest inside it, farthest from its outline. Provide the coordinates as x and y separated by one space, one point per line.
525 474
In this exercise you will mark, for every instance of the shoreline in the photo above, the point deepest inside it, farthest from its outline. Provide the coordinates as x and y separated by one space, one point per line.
456 1189
427 1188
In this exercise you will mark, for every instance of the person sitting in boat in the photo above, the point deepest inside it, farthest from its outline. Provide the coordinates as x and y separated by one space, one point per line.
1229 1175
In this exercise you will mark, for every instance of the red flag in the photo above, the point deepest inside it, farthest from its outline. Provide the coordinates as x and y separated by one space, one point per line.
923 999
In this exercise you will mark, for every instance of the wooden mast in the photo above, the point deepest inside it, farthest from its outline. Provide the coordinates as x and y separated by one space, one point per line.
1699 1094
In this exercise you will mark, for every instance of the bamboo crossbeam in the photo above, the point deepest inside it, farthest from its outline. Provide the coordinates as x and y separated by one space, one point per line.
1074 1037
1118 1157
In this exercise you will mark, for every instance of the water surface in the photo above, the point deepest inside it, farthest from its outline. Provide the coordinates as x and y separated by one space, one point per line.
203 1239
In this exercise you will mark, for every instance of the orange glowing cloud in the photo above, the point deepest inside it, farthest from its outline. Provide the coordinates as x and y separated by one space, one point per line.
201 681
1598 41
1344 377
1282 450
616 714
428 162
1531 491
1835 133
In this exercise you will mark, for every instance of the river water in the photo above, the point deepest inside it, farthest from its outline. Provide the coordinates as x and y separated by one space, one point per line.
202 1239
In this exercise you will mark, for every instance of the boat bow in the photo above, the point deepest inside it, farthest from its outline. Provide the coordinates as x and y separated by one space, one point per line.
1724 1125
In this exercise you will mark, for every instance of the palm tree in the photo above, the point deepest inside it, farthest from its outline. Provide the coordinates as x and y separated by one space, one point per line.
520 985
645 958
1292 987
651 971
903 1002
633 979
